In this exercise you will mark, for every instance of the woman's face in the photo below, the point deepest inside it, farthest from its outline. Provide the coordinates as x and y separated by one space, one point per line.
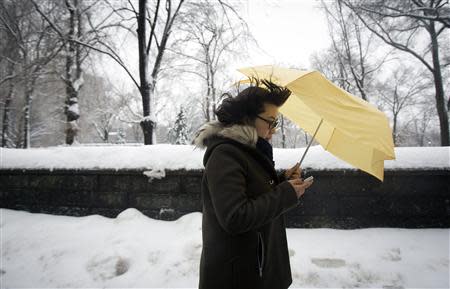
262 127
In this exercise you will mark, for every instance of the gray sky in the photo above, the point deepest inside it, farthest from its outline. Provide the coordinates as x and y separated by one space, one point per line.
289 31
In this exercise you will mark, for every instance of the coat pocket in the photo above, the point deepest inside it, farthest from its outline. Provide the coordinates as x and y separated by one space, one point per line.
260 253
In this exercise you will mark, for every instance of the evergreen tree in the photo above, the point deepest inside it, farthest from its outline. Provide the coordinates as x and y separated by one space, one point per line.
179 131
121 136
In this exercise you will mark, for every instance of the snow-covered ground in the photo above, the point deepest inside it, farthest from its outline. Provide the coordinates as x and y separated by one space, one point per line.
132 250
159 157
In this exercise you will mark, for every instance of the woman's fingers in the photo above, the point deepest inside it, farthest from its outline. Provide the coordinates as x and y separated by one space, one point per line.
296 181
298 170
306 184
295 175
300 186
300 182
295 172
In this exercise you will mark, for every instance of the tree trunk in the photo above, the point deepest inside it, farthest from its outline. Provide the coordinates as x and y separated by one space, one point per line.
208 93
394 129
29 88
19 135
146 122
73 72
283 135
7 107
213 93
440 101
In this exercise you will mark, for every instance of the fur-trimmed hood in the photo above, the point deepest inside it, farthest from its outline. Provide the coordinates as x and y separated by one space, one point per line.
213 133
244 134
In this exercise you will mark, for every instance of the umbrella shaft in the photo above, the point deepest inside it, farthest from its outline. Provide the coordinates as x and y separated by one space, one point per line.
310 142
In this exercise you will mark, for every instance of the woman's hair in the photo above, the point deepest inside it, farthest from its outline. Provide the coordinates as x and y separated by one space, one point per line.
248 103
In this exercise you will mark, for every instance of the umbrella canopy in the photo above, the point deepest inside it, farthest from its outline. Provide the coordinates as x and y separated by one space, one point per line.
352 129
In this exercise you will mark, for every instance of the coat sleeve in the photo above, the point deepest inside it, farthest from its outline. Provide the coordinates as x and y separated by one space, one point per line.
226 178
281 176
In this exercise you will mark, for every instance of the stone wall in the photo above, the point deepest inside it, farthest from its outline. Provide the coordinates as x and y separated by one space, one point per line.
344 199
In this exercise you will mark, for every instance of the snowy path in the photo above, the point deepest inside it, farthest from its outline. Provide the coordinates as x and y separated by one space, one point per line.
132 250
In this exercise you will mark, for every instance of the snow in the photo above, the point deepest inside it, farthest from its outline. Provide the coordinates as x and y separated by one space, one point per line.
78 83
149 118
155 174
159 157
74 109
132 250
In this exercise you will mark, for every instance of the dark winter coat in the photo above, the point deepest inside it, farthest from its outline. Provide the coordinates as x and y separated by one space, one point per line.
244 201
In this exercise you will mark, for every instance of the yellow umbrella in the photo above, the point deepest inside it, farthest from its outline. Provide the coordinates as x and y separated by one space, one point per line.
350 128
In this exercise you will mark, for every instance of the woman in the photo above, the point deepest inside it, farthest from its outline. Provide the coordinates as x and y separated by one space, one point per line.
244 200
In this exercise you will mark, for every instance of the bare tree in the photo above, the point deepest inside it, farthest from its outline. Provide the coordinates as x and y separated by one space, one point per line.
148 74
398 24
354 48
105 124
160 19
8 64
328 63
80 35
283 135
109 112
156 20
155 23
401 90
9 59
35 49
421 125
214 32
73 70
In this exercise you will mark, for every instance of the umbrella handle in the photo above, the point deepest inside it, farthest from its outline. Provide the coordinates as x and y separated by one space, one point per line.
310 142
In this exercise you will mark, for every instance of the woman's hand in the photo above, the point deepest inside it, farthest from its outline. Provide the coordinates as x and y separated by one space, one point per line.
300 186
293 173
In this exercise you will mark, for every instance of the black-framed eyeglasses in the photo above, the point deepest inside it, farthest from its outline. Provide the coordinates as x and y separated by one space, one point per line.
272 123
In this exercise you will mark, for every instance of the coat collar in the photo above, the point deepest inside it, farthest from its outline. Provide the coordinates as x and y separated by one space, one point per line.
213 133
244 134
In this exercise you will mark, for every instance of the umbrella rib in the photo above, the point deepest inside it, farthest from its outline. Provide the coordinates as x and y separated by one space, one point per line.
332 133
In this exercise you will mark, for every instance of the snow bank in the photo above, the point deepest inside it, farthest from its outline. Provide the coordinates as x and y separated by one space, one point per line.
166 156
132 250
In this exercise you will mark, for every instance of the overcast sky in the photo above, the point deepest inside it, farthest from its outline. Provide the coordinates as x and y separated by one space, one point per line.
289 31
